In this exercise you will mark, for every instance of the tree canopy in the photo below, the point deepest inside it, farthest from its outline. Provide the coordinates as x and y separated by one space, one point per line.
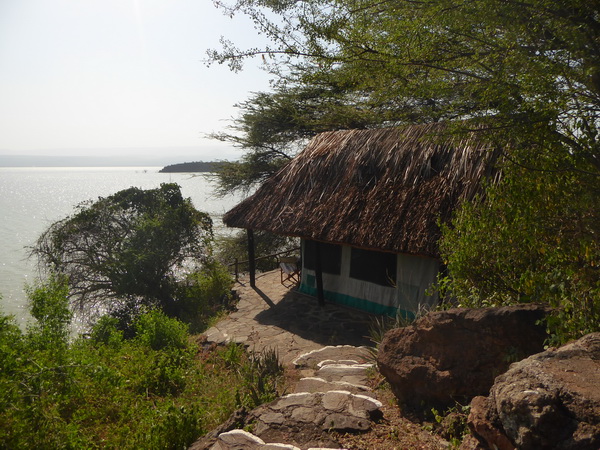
125 249
526 69
526 75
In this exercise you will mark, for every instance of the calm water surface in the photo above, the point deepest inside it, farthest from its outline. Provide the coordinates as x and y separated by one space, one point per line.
33 198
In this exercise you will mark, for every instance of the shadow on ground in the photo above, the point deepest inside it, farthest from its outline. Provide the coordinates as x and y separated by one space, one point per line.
326 325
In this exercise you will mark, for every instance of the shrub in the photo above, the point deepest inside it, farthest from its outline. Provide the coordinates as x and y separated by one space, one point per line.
204 294
159 332
534 238
49 306
106 331
104 391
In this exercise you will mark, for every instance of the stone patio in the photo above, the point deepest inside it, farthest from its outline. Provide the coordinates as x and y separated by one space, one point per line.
275 316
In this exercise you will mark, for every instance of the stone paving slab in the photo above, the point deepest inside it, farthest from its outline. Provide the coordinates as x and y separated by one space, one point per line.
316 384
333 354
276 317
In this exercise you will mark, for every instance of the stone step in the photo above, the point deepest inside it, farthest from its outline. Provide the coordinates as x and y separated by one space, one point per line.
243 440
315 384
333 353
333 410
349 362
349 373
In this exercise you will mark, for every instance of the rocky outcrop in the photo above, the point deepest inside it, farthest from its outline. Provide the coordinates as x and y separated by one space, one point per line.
454 355
548 401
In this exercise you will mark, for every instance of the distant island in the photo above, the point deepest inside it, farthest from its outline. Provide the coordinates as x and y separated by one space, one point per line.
199 166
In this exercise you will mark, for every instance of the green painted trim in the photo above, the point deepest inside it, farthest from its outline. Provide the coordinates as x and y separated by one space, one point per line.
353 302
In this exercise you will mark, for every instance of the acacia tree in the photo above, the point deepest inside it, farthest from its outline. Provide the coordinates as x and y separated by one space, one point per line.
273 126
525 73
530 68
124 250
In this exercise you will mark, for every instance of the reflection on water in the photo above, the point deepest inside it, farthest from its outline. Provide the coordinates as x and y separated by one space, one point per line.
33 198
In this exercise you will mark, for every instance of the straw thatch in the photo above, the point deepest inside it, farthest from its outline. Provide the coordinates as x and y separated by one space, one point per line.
382 189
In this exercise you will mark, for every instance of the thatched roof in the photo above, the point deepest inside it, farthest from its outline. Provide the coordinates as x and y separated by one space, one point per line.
382 189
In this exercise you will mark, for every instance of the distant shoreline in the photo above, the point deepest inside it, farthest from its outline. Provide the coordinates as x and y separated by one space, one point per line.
198 166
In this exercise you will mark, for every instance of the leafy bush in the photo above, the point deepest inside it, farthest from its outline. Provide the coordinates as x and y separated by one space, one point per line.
49 305
204 294
150 391
159 332
534 238
106 332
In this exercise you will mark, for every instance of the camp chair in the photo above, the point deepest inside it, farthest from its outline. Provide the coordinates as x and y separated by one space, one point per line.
289 269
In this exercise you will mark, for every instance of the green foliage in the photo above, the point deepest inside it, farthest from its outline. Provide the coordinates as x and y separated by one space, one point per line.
151 391
452 424
261 374
232 354
272 128
159 332
106 332
204 294
250 170
49 306
534 238
12 345
124 251
524 70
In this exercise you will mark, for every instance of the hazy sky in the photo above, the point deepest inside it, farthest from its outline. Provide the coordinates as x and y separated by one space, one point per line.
86 76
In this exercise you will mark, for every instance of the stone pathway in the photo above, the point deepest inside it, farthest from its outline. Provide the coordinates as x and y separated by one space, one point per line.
327 344
334 398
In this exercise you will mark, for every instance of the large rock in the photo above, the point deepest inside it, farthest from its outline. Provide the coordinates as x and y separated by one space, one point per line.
454 355
548 401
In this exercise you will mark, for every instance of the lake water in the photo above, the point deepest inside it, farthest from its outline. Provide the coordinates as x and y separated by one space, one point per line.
33 198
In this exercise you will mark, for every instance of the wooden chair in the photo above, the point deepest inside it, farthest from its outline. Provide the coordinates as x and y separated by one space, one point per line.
290 272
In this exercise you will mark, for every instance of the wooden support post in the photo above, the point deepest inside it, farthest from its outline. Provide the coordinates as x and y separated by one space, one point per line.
237 269
251 261
319 274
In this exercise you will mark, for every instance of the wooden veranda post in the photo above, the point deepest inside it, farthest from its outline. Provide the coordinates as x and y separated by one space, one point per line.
319 274
251 261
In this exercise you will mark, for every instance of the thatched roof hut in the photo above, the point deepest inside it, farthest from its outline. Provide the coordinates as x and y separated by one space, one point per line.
383 189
